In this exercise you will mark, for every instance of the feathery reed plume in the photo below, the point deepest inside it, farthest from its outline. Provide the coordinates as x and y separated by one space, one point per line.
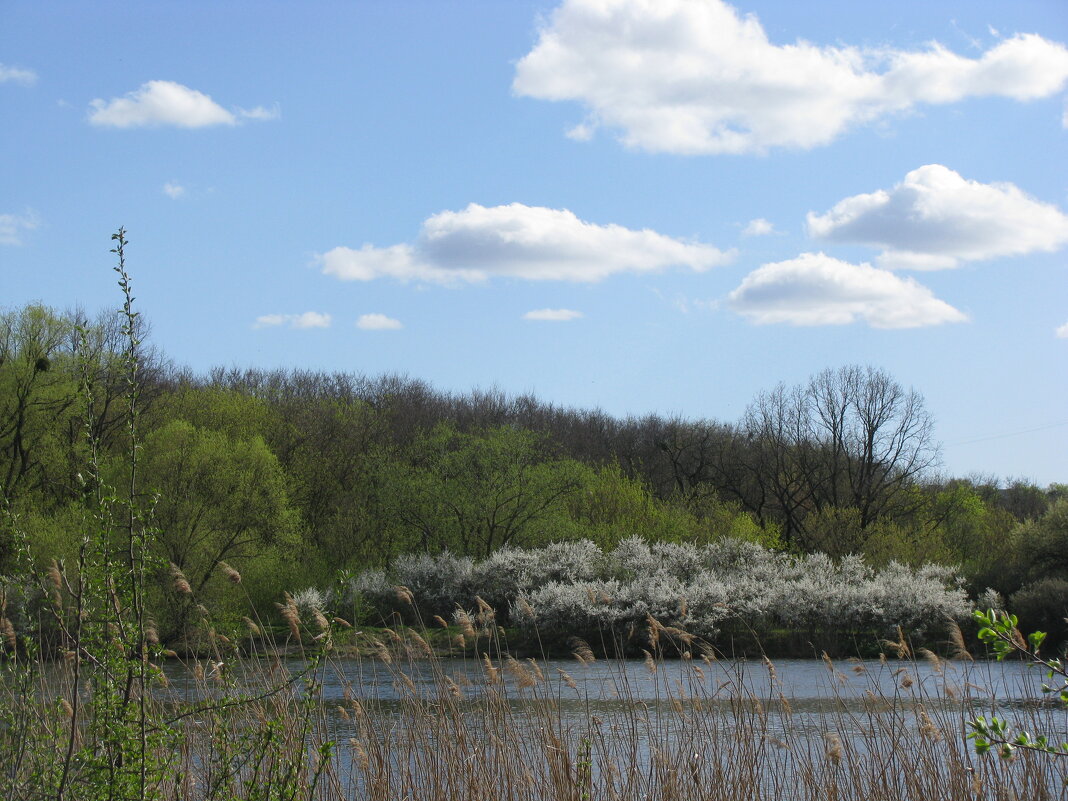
956 641
900 647
64 705
770 667
932 657
381 651
342 622
580 649
404 595
523 677
230 573
493 675
654 631
464 620
55 575
423 648
362 759
683 636
441 621
7 631
179 582
536 670
525 609
833 747
320 619
486 613
570 682
650 663
290 615
151 633
250 624
927 727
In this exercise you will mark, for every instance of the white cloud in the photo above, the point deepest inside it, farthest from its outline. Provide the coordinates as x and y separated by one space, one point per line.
1062 331
527 242
815 289
17 75
695 77
552 315
936 219
260 113
159 103
12 226
378 322
308 319
174 190
758 227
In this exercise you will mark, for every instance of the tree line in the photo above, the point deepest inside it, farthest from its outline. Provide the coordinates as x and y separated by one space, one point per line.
291 475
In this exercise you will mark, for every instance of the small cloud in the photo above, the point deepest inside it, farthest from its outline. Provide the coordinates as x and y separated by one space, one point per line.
583 132
308 319
531 243
758 227
815 289
17 75
935 219
260 113
160 103
378 322
12 226
552 315
173 190
1062 331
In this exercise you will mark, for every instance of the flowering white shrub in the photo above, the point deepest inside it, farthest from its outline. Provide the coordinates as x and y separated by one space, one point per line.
577 587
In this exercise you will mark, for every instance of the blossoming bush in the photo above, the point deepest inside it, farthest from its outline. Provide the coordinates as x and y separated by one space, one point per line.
575 587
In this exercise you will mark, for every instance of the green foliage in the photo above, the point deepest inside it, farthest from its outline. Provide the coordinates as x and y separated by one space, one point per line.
219 498
477 492
999 631
1045 604
38 390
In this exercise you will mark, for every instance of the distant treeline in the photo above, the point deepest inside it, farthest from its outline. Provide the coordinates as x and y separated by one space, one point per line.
291 476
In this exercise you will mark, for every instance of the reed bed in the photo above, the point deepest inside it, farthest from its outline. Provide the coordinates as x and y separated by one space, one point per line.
396 721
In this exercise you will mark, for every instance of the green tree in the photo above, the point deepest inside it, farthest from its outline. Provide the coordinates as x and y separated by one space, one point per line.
218 498
473 493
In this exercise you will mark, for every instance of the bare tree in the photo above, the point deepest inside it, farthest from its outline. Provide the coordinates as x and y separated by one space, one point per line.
850 438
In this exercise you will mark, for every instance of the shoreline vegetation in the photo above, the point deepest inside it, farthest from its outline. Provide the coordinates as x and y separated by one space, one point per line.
152 522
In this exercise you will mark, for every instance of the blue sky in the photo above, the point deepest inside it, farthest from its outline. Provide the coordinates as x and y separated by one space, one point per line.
639 205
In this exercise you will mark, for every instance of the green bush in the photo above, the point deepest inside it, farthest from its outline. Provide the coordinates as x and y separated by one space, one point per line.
1044 604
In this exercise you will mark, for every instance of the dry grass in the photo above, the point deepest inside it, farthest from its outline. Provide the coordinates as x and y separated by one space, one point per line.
415 726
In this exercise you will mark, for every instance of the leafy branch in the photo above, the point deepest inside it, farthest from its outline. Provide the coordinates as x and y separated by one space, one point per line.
1000 631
